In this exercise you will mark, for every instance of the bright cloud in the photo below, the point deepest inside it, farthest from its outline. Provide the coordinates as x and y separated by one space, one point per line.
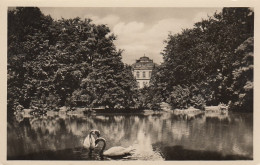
110 20
137 40
138 31
201 15
125 28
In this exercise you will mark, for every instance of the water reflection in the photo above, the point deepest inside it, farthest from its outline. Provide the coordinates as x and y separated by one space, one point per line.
155 137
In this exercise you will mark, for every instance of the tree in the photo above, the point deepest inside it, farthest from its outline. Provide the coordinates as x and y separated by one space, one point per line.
242 85
64 62
203 58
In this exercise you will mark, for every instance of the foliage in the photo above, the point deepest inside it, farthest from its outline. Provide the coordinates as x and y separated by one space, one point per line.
179 97
243 77
65 62
207 64
75 62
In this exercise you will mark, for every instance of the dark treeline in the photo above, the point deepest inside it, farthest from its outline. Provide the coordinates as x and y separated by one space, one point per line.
74 62
69 62
210 64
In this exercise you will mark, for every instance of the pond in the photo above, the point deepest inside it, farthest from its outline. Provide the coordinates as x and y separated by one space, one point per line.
165 136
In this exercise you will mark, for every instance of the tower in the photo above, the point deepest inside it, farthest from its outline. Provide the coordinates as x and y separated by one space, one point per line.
142 71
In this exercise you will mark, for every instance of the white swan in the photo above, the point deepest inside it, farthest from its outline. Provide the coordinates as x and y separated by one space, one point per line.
114 151
89 141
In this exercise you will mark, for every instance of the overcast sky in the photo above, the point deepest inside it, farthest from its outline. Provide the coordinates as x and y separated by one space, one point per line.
139 31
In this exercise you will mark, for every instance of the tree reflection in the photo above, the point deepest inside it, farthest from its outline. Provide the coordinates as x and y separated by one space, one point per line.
36 136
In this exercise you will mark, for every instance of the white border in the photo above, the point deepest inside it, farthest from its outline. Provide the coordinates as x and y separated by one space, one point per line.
4 4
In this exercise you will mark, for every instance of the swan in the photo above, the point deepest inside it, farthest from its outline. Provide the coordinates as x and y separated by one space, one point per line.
114 151
89 141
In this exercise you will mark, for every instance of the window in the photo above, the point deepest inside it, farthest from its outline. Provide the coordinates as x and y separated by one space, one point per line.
137 74
150 74
138 84
143 74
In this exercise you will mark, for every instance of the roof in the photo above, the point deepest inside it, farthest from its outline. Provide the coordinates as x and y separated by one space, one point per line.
144 63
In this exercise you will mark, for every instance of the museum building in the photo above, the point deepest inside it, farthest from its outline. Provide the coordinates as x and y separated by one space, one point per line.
142 71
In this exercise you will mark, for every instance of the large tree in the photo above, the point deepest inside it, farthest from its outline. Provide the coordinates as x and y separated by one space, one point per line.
201 60
58 62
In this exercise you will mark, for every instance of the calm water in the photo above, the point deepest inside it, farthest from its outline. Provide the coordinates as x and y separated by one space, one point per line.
155 137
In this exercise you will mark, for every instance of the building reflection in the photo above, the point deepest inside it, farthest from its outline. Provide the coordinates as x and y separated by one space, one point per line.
149 135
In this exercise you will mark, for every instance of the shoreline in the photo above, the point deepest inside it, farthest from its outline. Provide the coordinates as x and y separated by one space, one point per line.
82 111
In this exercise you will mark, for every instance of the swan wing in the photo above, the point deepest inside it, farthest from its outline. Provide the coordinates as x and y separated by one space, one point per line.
130 150
116 151
89 142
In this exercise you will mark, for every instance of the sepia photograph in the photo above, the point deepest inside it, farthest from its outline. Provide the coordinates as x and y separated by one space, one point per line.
130 83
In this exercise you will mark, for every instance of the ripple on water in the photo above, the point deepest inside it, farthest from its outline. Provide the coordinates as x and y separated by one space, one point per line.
153 137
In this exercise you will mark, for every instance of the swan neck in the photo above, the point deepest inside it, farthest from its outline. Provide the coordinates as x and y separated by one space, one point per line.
90 135
104 141
104 146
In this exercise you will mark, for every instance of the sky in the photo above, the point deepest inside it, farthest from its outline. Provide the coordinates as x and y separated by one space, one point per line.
140 31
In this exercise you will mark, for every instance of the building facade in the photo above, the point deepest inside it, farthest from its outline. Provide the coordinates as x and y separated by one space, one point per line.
142 71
